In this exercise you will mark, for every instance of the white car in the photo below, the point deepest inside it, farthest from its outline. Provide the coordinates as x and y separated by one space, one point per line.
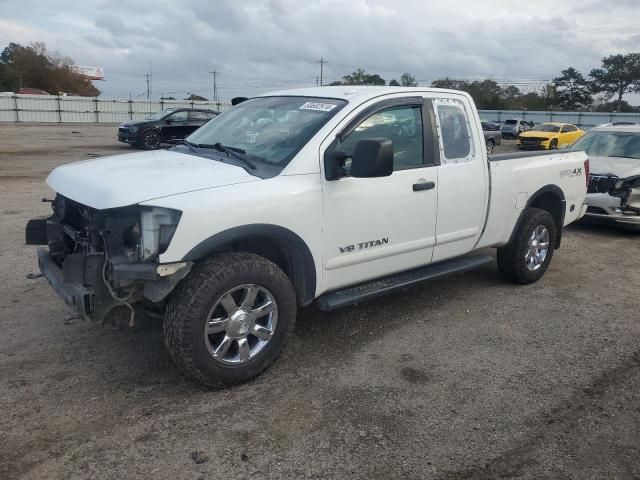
333 195
613 196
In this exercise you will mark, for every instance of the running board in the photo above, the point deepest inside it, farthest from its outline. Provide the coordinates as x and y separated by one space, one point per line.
366 291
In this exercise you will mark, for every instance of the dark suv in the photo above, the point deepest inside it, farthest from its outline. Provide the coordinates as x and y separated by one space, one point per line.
166 126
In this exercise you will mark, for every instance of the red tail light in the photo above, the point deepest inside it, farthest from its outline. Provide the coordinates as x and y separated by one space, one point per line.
586 172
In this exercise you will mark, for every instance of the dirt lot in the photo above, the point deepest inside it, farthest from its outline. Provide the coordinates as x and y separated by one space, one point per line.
469 377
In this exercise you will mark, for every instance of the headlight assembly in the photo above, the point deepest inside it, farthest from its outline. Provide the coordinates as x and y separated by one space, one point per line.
157 226
133 129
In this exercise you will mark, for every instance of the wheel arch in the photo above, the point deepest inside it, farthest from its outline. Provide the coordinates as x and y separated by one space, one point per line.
277 244
550 198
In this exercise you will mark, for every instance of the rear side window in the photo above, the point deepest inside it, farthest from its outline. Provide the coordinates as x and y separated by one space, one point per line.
454 132
568 128
180 116
195 115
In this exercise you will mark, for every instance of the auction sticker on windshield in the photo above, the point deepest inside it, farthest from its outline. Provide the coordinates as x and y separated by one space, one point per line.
320 107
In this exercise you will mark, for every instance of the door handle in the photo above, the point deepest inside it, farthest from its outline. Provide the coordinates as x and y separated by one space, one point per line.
423 186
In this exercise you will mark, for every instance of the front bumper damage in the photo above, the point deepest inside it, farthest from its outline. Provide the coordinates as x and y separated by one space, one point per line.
614 201
94 260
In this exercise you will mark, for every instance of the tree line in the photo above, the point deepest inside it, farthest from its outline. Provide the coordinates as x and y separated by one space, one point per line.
34 66
603 90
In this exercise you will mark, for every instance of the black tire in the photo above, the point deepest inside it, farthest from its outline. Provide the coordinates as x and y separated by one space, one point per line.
191 303
150 140
512 262
490 146
553 145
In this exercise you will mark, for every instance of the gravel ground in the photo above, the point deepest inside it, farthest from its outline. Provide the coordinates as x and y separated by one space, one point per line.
469 377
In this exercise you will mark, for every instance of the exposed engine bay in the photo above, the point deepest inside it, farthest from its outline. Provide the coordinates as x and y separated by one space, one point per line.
628 190
107 258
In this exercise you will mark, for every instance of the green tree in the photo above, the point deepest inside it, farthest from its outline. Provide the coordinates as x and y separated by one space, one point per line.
573 91
394 83
33 66
408 80
618 75
360 77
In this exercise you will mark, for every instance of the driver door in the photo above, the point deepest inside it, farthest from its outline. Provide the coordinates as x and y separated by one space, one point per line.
378 226
175 126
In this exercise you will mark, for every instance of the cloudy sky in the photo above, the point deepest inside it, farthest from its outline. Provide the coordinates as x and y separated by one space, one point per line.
261 45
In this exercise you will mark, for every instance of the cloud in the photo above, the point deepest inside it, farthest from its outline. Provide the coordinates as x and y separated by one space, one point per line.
257 45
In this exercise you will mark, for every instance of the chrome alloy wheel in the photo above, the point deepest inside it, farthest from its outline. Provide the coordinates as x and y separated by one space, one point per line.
241 324
538 248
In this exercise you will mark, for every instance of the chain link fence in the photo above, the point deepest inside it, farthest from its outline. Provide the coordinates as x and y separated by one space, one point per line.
50 108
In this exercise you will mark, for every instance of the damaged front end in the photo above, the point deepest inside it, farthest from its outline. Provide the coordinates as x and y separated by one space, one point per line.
628 190
97 260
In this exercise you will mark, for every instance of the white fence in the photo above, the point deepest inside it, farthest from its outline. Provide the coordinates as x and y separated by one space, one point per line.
584 120
50 108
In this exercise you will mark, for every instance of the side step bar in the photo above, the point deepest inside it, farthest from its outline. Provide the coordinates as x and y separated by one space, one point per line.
366 291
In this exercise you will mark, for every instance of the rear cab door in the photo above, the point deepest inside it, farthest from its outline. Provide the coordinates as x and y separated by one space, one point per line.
379 226
463 183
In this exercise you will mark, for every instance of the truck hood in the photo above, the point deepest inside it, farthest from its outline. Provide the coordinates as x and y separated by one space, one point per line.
122 180
620 167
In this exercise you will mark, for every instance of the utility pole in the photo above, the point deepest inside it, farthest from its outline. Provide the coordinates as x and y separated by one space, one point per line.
322 61
148 78
215 86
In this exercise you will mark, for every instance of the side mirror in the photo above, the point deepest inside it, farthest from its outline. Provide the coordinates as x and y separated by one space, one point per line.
372 157
168 121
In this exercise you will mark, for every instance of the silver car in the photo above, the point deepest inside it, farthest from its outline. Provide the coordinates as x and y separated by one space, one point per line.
613 194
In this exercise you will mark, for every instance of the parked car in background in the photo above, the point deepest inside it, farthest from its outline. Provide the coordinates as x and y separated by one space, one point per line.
613 194
492 135
167 126
549 136
513 127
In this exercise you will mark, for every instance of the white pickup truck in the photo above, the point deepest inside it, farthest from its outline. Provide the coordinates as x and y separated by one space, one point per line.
333 195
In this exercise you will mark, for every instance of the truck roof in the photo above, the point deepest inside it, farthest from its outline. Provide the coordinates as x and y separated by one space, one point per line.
360 92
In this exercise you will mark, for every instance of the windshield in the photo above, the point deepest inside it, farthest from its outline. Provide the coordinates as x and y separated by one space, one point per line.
511 122
546 127
610 144
159 115
268 129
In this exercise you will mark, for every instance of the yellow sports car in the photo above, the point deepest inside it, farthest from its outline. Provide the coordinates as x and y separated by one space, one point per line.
549 136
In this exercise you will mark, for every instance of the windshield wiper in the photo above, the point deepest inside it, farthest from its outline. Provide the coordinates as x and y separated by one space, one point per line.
237 153
189 144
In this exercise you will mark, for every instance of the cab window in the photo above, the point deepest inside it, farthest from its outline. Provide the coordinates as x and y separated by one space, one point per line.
402 125
454 133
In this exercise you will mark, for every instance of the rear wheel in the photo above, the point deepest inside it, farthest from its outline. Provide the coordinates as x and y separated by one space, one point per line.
229 319
526 258
490 146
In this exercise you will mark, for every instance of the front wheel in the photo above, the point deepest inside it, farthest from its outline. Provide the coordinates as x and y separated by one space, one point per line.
526 258
230 319
553 145
150 140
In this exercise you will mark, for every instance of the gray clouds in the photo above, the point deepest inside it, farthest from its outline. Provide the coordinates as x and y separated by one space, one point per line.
260 45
